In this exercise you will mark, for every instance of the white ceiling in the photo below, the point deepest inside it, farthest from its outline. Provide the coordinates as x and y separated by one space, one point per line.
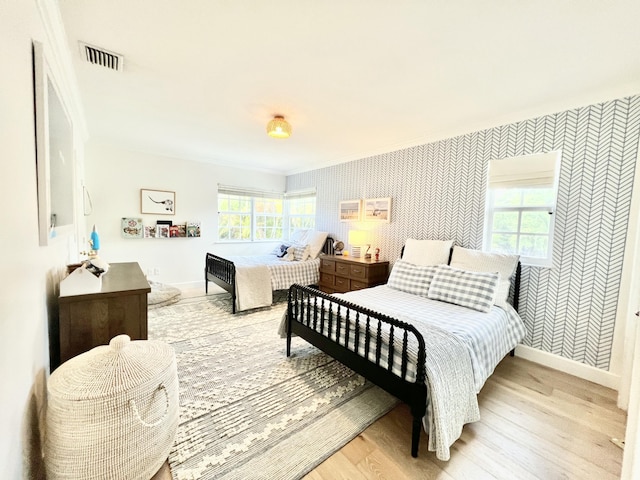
355 78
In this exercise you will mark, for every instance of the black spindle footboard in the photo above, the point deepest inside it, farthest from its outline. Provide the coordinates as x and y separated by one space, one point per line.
222 272
372 344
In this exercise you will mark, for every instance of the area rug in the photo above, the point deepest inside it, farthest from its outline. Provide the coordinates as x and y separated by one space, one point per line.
162 295
246 410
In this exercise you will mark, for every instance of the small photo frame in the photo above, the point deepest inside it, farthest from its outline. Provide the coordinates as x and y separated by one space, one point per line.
350 210
132 227
377 210
157 202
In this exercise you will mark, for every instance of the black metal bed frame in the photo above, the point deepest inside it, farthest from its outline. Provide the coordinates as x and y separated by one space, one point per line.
316 316
222 272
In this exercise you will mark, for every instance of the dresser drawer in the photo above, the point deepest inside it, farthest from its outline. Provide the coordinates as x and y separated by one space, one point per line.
341 284
357 285
342 269
358 271
327 265
326 279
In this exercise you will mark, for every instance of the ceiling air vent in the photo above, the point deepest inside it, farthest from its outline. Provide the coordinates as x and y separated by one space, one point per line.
102 57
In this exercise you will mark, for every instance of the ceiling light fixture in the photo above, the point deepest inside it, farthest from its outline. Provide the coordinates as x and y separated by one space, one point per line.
279 127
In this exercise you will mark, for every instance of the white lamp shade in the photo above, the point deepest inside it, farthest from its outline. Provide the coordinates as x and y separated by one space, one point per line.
358 239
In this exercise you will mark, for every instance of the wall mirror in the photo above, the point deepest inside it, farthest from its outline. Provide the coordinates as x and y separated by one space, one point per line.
55 162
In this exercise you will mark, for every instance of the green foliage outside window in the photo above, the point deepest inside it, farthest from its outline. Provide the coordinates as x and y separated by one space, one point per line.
520 223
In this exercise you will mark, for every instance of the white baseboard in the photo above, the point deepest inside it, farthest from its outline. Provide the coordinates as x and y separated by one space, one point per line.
580 370
185 285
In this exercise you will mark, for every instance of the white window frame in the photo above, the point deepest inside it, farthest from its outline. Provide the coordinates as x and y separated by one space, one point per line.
304 196
252 196
523 176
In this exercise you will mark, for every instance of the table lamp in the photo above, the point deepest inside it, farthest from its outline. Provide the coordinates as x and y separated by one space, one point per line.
359 244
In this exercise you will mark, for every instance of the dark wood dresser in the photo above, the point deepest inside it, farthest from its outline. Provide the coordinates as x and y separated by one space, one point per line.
344 274
92 319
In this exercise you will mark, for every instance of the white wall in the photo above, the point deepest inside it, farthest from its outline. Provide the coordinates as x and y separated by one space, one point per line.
114 178
29 273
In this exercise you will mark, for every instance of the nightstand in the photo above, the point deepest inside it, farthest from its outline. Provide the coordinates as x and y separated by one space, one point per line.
339 274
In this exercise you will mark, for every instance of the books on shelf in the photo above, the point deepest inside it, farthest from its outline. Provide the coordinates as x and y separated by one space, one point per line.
134 228
193 229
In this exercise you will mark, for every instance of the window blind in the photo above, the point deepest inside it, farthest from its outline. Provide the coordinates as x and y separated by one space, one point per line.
300 194
537 170
248 192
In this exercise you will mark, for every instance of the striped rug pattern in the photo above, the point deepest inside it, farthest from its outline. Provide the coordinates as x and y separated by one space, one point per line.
248 411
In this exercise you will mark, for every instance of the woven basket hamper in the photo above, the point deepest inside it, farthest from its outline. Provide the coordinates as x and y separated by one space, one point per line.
112 412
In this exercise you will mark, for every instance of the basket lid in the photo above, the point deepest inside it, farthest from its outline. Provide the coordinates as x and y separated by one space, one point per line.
111 369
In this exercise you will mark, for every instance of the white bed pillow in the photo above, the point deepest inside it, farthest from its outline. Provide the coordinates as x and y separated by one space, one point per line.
477 261
299 236
476 290
315 240
427 252
410 278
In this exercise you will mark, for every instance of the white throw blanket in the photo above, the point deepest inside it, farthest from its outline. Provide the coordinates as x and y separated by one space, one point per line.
253 287
452 399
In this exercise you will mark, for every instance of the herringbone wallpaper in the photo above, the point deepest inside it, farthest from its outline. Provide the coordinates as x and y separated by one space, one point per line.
438 192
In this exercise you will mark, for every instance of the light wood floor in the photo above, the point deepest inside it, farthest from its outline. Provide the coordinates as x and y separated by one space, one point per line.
537 423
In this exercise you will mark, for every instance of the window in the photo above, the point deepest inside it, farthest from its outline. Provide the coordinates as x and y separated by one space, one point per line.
521 200
301 210
245 215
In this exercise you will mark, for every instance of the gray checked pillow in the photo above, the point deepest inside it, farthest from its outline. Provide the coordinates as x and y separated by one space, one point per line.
300 252
476 290
410 278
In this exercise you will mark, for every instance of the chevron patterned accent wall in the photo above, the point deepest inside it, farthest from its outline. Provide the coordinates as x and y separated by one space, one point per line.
438 192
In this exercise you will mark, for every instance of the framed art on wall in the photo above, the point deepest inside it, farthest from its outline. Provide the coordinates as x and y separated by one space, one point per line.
377 209
158 202
350 210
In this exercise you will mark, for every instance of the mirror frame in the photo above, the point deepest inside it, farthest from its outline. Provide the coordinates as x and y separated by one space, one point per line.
42 79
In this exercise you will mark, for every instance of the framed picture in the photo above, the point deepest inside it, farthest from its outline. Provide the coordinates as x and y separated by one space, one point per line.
377 210
132 228
350 210
158 202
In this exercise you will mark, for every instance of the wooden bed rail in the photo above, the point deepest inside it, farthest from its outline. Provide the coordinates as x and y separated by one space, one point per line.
368 342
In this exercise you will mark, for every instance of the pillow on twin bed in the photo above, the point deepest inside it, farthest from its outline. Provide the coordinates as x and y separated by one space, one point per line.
315 240
427 252
411 278
477 261
300 252
299 236
476 290
280 251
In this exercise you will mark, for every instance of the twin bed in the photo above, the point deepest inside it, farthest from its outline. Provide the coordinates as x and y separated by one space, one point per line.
252 279
431 336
